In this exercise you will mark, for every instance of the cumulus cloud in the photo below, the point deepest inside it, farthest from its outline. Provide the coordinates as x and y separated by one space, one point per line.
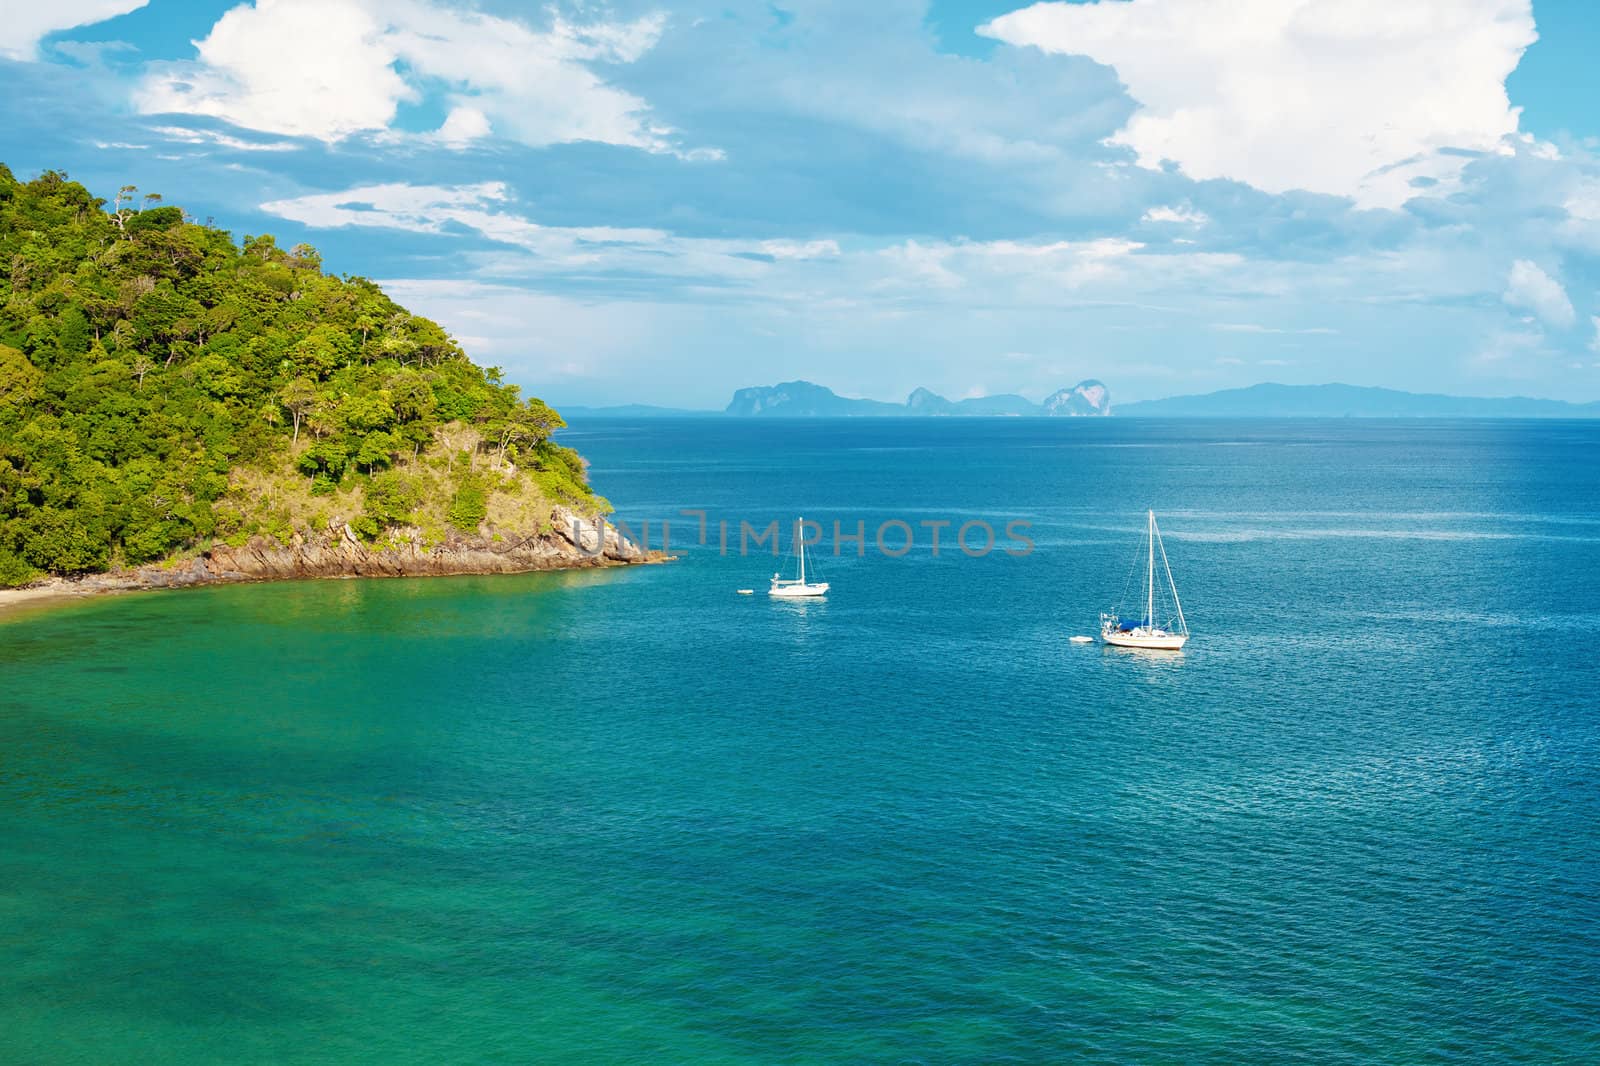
23 25
1530 288
341 78
332 68
463 125
1354 99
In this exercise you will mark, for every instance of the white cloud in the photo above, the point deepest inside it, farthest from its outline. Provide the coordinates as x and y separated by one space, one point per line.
1052 265
1583 202
463 125
1251 327
587 251
921 264
1184 215
886 276
844 291
824 249
201 136
576 339
341 78
23 24
435 208
1507 352
1581 227
1530 288
1594 345
1353 98
354 62
793 269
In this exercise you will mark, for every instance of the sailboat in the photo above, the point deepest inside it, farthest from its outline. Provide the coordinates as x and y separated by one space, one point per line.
797 587
1149 632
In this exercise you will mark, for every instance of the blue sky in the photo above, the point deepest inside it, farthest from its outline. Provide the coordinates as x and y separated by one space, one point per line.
662 202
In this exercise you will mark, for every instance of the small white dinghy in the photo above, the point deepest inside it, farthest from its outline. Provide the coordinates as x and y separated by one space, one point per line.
797 587
1150 632
1082 640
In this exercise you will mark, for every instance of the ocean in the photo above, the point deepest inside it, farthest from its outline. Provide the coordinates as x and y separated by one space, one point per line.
630 815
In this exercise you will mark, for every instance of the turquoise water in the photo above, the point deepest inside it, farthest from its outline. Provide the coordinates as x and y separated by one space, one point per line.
633 816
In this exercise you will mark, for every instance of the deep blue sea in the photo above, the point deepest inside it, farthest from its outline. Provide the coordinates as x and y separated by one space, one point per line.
631 816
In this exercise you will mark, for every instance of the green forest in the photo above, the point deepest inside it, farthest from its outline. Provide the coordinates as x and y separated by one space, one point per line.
163 385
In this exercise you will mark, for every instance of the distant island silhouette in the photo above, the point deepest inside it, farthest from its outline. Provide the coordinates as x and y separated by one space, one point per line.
1092 398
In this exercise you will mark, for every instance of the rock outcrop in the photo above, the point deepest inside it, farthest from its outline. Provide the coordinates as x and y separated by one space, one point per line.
1089 397
803 399
570 543
927 402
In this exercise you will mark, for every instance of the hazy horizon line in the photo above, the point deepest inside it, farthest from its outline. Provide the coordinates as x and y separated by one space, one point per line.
1115 403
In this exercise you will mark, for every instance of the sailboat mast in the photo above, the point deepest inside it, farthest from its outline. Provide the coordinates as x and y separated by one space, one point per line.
1150 601
799 523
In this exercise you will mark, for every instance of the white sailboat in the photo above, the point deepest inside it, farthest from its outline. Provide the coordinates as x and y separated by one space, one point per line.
1149 632
792 588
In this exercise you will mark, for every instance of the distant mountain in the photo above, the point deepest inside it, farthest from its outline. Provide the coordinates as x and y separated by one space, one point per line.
924 402
1007 404
802 399
630 410
1349 401
1085 398
1091 398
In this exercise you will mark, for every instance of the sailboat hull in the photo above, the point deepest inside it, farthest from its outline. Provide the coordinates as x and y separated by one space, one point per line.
1149 642
795 588
797 591
1151 634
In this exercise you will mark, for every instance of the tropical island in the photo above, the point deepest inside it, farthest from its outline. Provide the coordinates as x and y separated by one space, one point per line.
177 407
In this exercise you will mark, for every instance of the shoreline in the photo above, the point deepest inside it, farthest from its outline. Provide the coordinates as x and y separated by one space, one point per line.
17 600
342 555
57 591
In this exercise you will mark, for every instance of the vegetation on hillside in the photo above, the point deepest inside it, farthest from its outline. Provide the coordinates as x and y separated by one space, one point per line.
161 385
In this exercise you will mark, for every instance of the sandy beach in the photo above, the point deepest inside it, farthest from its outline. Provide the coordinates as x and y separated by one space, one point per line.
13 601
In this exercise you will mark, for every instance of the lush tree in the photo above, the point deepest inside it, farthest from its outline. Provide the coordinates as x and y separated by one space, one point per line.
143 358
298 398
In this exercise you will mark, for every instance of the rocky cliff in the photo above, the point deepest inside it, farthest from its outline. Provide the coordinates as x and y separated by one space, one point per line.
569 543
1089 397
803 399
